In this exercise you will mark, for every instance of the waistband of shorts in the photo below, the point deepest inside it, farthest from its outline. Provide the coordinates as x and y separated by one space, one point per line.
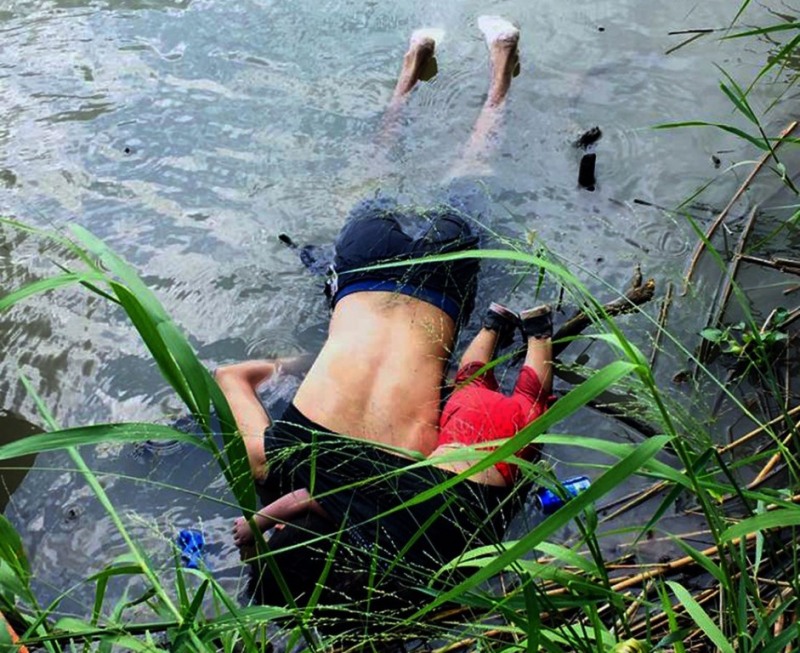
433 297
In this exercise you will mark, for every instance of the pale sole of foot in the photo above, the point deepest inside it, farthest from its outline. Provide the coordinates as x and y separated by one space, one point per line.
542 309
435 34
497 28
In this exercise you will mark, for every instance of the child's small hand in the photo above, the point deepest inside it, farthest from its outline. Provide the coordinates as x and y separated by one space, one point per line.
242 533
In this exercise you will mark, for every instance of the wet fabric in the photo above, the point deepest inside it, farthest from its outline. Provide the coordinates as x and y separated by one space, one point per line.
477 412
379 230
366 489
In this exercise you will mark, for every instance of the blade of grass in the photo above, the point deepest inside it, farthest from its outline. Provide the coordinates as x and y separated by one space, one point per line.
765 521
139 555
758 142
45 285
701 617
607 482
97 434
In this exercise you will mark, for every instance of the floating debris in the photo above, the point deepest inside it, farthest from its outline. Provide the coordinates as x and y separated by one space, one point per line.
586 178
588 138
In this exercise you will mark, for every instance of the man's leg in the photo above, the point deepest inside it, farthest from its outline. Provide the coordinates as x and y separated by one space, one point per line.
421 48
502 38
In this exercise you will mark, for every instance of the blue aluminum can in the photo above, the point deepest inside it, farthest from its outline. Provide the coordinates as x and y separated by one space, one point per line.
191 544
547 502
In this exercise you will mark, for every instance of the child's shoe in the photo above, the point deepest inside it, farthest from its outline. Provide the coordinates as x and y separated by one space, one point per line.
537 322
502 320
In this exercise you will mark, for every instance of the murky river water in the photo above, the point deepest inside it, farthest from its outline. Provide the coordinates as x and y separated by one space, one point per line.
188 135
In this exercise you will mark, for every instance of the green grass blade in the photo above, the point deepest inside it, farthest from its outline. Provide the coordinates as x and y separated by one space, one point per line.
737 96
761 31
741 10
604 484
703 561
12 551
755 140
187 631
788 637
190 368
569 557
127 275
763 522
140 556
93 435
45 285
785 53
618 450
237 470
147 324
701 617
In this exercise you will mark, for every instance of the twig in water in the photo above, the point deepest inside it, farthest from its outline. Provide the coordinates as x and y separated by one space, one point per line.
758 431
702 30
764 473
635 296
730 279
721 217
678 563
788 266
663 314
634 499
685 42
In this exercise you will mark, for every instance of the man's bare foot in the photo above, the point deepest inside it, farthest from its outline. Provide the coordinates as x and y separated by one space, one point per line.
420 55
498 31
502 38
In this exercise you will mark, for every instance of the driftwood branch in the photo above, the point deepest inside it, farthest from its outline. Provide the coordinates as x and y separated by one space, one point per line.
721 217
640 292
706 347
663 314
789 266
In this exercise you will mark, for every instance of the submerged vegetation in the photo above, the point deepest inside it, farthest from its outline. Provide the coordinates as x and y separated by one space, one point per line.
722 574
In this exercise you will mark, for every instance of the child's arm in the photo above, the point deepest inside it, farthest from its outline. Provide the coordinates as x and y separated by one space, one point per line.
238 383
279 511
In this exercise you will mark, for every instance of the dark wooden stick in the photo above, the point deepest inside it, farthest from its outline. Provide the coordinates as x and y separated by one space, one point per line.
639 293
781 265
663 314
706 347
703 30
721 217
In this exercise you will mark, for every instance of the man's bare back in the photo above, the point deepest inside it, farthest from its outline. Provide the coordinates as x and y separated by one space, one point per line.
380 373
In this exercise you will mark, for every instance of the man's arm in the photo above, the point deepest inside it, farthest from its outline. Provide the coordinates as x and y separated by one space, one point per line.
279 511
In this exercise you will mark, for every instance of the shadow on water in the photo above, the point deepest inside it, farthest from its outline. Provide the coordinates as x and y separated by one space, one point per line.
12 472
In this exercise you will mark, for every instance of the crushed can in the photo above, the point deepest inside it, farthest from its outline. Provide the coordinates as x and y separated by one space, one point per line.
547 502
191 543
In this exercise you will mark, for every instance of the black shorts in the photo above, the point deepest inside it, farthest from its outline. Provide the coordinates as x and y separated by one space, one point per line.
379 230
373 496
